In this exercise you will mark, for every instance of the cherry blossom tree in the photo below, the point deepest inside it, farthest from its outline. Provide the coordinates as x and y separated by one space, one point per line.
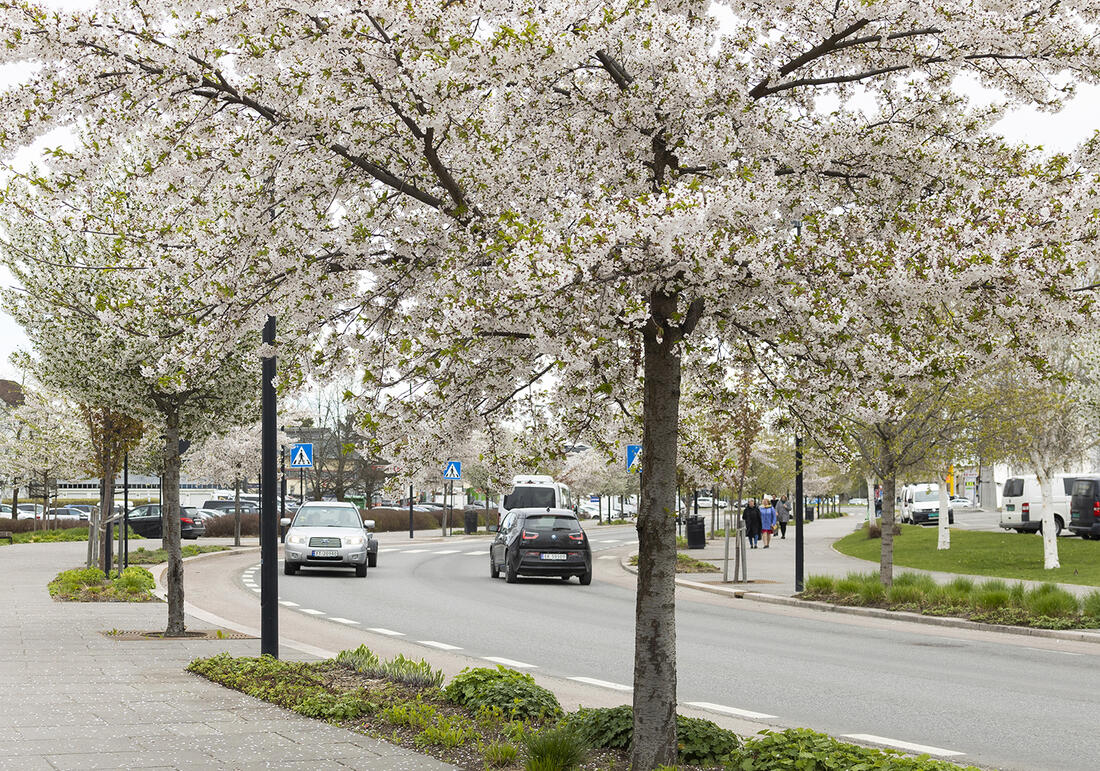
591 198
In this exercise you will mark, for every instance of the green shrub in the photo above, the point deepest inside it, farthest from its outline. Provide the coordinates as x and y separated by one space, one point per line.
399 669
135 579
334 707
1091 604
905 594
872 592
1018 595
1052 601
467 686
819 586
554 749
520 700
415 714
445 732
798 749
848 586
500 754
699 741
992 598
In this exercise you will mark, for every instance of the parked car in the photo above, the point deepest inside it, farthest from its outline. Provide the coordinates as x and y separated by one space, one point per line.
85 507
5 509
230 507
961 502
146 522
920 504
1084 507
541 542
326 534
592 510
69 512
857 501
1022 502
30 511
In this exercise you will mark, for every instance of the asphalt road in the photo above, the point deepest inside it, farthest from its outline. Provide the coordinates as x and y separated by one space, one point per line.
1000 701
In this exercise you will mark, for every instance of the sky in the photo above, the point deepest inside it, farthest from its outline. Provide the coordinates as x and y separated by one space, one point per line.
1057 132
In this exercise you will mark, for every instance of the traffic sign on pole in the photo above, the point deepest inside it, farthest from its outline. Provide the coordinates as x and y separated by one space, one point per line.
633 458
453 470
301 455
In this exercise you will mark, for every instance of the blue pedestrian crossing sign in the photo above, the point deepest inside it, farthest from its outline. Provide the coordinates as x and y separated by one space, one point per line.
301 456
453 470
633 458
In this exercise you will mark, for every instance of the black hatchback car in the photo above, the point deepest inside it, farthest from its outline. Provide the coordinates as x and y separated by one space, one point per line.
1084 507
541 542
146 522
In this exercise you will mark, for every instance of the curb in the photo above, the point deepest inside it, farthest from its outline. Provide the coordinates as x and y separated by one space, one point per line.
1073 635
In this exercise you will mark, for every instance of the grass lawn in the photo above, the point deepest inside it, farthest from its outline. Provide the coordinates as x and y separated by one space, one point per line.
1007 555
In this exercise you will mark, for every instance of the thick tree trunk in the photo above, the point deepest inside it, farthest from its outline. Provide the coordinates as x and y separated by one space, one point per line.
170 513
886 557
106 509
15 499
1050 530
870 481
944 541
655 625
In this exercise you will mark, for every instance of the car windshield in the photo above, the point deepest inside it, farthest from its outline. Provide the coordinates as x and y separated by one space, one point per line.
547 522
529 498
925 496
327 516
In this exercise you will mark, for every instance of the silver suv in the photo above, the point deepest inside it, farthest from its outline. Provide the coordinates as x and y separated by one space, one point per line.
328 534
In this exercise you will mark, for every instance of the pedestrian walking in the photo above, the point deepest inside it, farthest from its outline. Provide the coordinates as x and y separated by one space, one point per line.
767 521
782 516
751 516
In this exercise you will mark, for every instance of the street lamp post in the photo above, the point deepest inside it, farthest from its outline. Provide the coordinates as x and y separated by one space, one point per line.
799 546
269 540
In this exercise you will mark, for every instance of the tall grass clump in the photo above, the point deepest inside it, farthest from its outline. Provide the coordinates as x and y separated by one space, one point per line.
554 749
1052 601
1090 605
820 586
992 595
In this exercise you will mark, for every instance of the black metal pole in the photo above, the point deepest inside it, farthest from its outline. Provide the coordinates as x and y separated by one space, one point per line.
301 486
410 511
126 510
269 541
282 490
799 547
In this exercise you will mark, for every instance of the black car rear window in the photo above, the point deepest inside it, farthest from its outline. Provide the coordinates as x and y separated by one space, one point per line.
548 522
529 498
1067 484
1014 488
1083 487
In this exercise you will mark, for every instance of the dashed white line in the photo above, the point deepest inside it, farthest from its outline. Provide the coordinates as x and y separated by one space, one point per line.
392 548
441 646
601 683
380 630
509 662
288 603
612 540
413 551
313 612
478 553
256 590
1048 650
920 749
446 551
339 620
607 557
729 710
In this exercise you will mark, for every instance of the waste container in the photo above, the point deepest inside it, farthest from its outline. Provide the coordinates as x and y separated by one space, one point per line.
696 533
471 521
809 513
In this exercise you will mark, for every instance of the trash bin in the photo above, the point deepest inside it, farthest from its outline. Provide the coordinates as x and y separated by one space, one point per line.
471 521
696 533
809 513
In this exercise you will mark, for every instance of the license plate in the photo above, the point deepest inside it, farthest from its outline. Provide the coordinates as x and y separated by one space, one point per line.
325 553
1010 506
554 556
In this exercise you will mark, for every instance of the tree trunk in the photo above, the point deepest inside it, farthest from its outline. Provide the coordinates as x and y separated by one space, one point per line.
237 512
945 517
870 481
106 506
1050 534
655 615
886 558
15 499
170 522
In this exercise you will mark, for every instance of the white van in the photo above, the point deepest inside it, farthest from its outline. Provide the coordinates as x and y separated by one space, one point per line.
920 504
1022 502
535 491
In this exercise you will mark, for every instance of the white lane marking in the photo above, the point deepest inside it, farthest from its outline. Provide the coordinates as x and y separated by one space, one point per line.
601 683
728 710
613 540
441 646
256 590
478 553
446 551
920 749
288 603
509 662
413 551
313 612
339 620
389 632
607 557
392 548
1048 650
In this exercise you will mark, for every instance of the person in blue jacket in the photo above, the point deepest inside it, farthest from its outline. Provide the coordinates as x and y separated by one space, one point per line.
767 520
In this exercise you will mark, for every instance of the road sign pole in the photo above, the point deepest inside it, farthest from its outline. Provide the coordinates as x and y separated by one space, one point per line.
799 546
410 511
269 539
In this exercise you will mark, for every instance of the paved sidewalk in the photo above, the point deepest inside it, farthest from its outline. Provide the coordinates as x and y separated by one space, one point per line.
75 699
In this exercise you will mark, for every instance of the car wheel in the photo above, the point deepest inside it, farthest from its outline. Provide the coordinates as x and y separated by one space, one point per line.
372 559
1058 525
494 571
566 578
361 571
290 568
586 578
511 570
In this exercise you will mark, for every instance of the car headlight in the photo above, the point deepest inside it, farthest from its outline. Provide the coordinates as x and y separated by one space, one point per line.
354 540
296 539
